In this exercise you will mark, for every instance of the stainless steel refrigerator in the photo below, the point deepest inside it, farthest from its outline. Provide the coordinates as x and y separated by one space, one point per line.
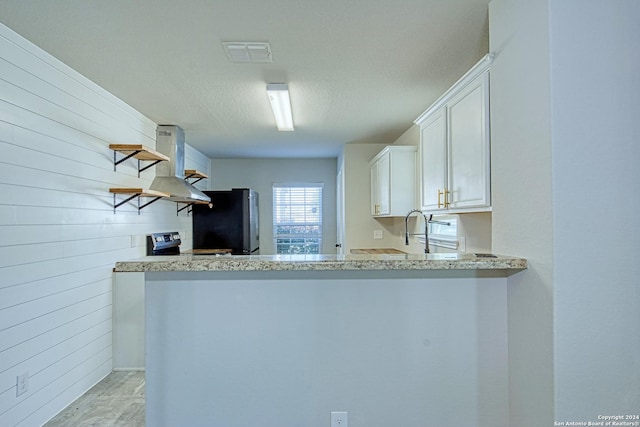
231 223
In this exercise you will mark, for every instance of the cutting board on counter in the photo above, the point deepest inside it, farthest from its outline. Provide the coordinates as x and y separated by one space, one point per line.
377 251
209 251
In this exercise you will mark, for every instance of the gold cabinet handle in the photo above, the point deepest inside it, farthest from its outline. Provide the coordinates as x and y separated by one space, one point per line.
446 193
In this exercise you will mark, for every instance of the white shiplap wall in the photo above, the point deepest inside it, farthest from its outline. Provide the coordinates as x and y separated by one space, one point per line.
59 235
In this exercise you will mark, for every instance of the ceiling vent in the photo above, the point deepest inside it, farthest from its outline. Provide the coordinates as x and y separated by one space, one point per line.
248 51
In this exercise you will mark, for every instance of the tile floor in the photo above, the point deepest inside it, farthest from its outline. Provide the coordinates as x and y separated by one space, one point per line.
117 400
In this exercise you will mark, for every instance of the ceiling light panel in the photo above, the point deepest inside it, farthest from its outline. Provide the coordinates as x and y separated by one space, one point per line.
278 94
252 52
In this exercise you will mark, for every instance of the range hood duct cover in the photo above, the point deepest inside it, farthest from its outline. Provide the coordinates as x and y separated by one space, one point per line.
170 175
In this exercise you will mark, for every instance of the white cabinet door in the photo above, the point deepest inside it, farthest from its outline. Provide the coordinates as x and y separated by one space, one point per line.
455 173
384 182
455 147
468 149
375 196
433 161
393 181
380 185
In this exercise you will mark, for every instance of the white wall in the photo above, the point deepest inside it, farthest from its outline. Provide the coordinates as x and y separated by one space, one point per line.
359 224
281 349
194 159
596 183
565 178
261 174
60 237
522 198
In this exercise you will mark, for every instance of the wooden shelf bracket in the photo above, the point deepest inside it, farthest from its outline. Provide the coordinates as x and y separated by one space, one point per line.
134 193
189 206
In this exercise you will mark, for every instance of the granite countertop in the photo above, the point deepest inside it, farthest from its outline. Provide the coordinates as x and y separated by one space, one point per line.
193 262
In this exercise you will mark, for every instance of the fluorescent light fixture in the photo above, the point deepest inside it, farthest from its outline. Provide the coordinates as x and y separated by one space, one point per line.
278 94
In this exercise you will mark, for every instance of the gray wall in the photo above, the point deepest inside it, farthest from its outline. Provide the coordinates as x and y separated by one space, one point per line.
261 174
565 148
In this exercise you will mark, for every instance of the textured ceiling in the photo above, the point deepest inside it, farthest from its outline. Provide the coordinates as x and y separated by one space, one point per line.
358 70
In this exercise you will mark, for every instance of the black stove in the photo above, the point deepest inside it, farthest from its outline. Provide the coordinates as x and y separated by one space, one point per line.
163 243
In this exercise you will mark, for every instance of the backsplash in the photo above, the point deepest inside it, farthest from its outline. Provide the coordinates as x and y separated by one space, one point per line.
474 233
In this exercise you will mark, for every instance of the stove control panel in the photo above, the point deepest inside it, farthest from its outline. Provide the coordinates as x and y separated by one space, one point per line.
163 243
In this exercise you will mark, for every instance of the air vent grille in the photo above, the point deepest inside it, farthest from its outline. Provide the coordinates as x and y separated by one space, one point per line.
248 51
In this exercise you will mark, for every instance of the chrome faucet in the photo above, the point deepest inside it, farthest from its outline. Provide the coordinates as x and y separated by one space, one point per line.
427 221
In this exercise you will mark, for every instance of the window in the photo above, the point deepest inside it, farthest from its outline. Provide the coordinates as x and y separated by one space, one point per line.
297 218
445 236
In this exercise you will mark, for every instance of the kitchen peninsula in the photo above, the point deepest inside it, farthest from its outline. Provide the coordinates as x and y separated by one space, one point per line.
286 339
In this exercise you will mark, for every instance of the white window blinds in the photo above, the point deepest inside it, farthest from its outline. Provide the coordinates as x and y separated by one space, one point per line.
297 218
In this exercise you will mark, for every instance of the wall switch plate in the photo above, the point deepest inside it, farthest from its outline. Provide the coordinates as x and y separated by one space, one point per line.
339 419
22 384
377 234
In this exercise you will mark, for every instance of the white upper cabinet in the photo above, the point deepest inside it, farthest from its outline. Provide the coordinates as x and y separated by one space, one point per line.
433 140
469 150
455 174
393 177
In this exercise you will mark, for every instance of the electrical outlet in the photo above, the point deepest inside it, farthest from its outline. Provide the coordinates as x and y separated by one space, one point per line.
377 234
138 240
22 384
462 244
339 419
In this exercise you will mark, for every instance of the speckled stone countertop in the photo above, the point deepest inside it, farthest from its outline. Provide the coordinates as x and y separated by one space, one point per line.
191 262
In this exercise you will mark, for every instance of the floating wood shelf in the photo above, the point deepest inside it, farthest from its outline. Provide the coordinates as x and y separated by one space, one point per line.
195 174
136 193
139 152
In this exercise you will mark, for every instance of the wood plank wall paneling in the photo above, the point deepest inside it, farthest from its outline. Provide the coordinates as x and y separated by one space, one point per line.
60 237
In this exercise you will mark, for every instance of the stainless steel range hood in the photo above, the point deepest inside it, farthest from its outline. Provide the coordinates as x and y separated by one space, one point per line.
170 175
